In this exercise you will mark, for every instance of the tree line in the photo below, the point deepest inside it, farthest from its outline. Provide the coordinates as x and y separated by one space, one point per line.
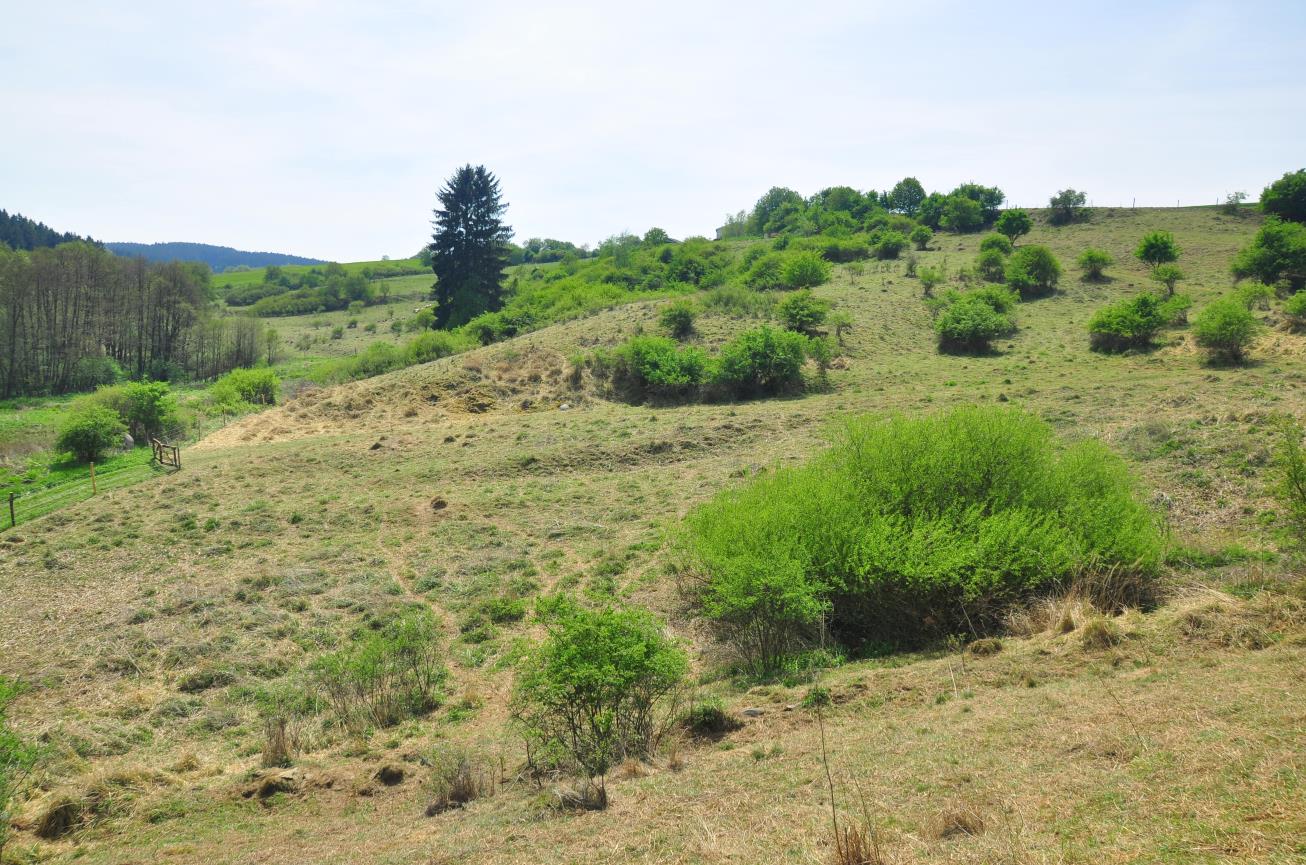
75 316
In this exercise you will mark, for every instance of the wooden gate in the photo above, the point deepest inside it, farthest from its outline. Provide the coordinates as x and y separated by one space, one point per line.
166 455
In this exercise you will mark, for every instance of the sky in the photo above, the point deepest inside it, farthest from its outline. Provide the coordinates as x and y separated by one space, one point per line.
325 128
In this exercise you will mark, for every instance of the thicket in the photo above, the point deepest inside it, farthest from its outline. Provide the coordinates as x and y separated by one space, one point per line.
601 688
1094 262
909 529
1285 198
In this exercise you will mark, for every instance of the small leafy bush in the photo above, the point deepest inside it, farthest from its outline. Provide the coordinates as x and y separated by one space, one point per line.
385 676
761 362
89 432
1033 271
1093 263
921 236
991 264
1157 247
1225 328
1125 324
912 528
1013 223
845 249
970 321
1294 310
677 318
709 718
801 311
891 245
1277 253
766 273
999 242
805 270
601 688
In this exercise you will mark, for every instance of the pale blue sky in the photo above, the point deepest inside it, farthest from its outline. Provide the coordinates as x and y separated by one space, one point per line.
324 128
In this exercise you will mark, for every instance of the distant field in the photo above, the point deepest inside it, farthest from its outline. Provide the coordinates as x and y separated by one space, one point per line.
254 276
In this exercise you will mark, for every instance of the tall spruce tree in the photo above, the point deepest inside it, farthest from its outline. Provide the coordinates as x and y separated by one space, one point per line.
469 249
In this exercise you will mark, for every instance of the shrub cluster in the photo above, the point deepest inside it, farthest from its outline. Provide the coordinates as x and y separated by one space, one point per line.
908 529
764 361
1033 271
88 432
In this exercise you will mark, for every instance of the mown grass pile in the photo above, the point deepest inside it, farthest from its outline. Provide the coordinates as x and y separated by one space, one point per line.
913 528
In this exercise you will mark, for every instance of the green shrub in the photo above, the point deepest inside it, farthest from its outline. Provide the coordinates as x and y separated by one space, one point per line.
908 529
249 386
739 302
677 318
1157 247
891 245
1167 275
90 431
709 718
805 270
96 370
1033 271
657 367
1174 309
1094 262
766 272
1277 253
921 236
600 688
931 276
845 249
1013 224
1225 328
761 362
1286 197
1127 323
385 676
970 321
801 311
999 242
991 264
1294 310
432 345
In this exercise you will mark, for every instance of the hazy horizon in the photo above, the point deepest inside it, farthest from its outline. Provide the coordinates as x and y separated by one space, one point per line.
324 129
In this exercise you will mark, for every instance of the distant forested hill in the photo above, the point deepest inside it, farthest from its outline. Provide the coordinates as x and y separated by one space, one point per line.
219 258
19 232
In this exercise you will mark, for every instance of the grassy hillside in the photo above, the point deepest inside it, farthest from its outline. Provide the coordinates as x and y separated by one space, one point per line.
254 276
160 624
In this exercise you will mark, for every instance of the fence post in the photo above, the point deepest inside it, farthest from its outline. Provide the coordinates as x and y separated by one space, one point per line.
13 521
93 490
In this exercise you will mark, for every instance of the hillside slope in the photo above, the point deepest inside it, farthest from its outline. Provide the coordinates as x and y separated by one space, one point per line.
161 622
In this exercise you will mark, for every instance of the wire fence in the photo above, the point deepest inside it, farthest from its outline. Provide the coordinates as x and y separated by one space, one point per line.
25 506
